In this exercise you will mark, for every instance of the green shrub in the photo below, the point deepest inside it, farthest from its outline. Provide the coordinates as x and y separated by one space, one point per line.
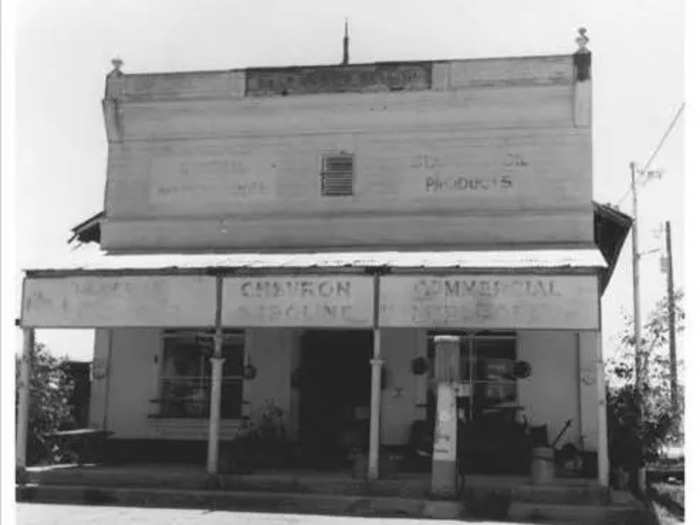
50 390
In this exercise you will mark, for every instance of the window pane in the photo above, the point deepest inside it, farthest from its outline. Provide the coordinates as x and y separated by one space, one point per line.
186 375
182 358
231 398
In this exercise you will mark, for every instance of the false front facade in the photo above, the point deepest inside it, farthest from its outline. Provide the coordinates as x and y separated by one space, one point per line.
312 252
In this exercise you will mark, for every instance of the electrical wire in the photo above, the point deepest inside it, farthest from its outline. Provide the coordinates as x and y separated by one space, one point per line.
657 149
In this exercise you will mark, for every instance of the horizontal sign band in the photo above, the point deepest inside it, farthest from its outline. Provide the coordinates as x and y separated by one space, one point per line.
114 301
486 301
314 301
490 301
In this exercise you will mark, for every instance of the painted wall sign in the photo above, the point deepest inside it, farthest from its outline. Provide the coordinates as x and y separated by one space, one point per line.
339 79
105 301
323 301
490 301
215 179
497 169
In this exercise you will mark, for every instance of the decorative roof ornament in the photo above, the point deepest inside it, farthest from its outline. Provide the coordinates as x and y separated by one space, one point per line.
117 64
582 56
346 45
582 40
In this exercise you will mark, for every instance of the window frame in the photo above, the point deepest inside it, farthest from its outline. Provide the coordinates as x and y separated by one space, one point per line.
467 343
239 335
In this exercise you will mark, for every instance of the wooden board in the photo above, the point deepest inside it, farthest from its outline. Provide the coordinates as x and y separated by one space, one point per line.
114 301
310 301
490 301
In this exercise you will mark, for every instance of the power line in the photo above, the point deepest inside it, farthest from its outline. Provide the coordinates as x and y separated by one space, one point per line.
657 149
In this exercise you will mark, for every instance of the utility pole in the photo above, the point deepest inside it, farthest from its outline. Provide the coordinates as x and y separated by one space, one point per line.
638 379
671 321
635 290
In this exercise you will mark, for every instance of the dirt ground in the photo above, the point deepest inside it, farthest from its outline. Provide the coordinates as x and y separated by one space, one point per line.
46 514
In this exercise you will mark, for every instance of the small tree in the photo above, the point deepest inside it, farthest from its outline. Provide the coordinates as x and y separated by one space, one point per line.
50 389
633 444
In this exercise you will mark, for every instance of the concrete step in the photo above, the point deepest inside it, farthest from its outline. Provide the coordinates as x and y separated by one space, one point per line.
555 494
200 480
613 514
284 502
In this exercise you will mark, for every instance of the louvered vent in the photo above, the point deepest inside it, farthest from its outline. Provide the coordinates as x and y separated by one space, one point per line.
337 175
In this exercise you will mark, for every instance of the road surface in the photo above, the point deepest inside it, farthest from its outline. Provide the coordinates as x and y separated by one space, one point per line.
47 514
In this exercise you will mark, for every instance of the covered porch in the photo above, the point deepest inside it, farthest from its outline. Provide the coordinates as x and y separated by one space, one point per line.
270 303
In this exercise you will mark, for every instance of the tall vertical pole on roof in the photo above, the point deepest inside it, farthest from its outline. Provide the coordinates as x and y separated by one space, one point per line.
23 401
376 392
217 363
671 322
638 372
346 45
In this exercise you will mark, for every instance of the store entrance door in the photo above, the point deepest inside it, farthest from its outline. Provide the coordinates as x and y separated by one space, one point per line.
334 395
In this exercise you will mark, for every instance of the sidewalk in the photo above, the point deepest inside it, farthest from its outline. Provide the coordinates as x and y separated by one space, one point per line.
48 514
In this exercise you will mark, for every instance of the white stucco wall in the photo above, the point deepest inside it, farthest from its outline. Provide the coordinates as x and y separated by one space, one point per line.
270 350
129 353
557 390
404 392
131 381
550 395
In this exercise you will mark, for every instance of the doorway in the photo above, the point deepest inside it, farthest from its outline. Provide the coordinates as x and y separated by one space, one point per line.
334 395
491 436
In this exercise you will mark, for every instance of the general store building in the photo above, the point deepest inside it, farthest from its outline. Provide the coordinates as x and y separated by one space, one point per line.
294 239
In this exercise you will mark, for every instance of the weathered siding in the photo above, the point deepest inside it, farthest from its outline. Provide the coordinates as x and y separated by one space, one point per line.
489 154
99 381
550 396
553 356
131 381
404 393
588 376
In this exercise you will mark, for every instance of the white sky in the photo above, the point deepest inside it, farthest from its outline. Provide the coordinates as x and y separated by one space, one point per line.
63 50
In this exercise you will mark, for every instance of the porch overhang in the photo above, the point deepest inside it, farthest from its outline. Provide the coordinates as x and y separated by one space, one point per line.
514 289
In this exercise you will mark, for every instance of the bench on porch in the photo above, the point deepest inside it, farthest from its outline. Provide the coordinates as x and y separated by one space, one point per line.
87 443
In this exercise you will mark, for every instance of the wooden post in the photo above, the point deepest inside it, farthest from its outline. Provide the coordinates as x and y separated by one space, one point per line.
603 461
376 392
217 364
671 323
23 404
444 471
375 408
638 371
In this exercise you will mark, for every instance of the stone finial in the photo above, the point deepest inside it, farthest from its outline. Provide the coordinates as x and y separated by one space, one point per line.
582 57
117 64
582 40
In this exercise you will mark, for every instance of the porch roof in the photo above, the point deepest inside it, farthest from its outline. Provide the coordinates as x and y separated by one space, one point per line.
88 261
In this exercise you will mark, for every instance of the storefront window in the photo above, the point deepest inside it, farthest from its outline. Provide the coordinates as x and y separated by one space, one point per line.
486 363
185 381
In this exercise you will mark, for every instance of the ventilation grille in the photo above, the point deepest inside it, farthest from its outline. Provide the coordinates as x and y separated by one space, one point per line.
337 175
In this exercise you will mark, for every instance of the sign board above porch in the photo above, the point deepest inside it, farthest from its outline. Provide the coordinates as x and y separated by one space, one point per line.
307 300
490 301
429 299
87 301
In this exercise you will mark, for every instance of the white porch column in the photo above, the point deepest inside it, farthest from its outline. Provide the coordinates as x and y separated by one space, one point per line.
375 407
444 471
217 365
603 461
23 408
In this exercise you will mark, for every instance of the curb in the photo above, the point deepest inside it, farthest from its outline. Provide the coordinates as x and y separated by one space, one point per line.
279 502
